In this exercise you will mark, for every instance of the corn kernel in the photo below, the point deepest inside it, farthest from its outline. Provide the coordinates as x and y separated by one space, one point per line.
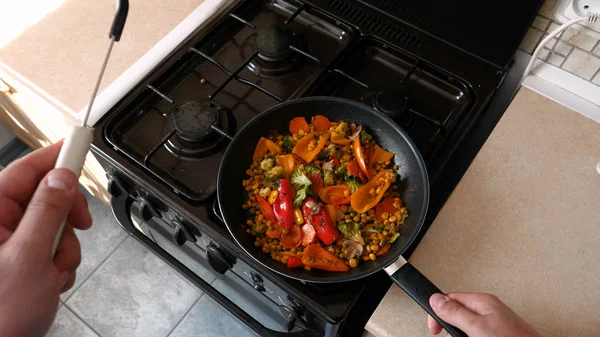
385 215
353 263
372 257
374 248
393 218
273 197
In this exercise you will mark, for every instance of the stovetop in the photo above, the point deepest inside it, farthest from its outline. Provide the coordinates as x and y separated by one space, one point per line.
265 52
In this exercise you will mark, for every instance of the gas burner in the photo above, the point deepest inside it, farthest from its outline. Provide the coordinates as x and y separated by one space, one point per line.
392 103
275 57
193 124
273 43
193 120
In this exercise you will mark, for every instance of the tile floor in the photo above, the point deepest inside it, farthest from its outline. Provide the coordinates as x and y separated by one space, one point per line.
123 289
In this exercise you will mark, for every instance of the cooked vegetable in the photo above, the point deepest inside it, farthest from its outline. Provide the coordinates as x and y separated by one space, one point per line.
335 195
353 249
319 258
299 124
283 207
294 262
343 129
291 239
328 178
301 183
354 183
287 162
265 209
320 220
371 193
273 175
365 136
263 147
309 146
320 123
359 154
351 231
267 164
354 219
288 144
308 234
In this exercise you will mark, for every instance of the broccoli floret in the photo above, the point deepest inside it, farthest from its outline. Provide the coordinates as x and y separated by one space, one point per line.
343 129
328 178
323 155
267 164
365 136
393 238
332 150
264 192
353 182
342 171
288 144
351 231
312 169
273 175
301 183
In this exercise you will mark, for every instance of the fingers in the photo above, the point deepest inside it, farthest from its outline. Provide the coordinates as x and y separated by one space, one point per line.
68 253
433 326
453 312
47 210
80 216
479 303
4 235
10 214
70 282
20 179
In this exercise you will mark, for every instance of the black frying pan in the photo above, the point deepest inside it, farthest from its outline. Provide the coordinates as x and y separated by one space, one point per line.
414 187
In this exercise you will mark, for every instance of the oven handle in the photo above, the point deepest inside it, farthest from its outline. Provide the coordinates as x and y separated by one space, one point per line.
121 209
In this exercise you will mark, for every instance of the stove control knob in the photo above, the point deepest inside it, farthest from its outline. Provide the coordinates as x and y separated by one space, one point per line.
147 209
115 187
290 317
217 259
182 233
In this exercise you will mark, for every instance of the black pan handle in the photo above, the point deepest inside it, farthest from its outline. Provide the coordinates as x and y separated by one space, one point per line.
121 10
417 286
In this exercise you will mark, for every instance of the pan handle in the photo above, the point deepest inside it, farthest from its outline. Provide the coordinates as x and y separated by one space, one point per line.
417 286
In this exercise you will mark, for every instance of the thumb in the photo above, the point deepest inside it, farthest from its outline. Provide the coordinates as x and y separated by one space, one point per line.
453 312
47 210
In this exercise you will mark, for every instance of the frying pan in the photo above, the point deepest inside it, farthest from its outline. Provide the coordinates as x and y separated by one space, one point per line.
413 183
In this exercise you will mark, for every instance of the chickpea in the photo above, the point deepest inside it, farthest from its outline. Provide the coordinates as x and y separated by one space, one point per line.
307 268
372 257
353 263
260 218
245 206
393 218
356 219
249 223
369 248
385 215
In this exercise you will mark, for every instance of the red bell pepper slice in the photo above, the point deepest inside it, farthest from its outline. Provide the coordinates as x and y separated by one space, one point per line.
317 182
324 227
294 262
265 208
284 206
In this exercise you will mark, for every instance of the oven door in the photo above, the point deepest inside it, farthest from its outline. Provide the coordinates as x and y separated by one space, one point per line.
231 290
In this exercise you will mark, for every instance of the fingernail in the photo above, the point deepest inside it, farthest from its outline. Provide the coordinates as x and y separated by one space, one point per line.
61 180
437 300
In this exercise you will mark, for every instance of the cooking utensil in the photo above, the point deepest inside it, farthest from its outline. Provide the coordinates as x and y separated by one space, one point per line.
77 144
413 181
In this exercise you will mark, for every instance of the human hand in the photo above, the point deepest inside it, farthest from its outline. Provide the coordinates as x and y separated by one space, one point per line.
478 315
34 200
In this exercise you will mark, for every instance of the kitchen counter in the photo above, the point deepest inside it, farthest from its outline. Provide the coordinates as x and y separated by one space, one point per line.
523 224
48 71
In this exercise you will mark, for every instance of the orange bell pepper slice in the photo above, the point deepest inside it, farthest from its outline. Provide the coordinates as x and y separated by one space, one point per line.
275 231
297 124
320 122
361 158
265 145
301 147
287 162
331 211
336 195
379 156
362 200
336 138
383 250
319 258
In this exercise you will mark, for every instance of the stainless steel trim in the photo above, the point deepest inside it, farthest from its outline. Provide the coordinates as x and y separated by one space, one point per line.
395 266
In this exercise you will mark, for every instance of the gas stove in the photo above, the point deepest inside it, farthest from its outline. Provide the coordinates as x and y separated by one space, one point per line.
162 144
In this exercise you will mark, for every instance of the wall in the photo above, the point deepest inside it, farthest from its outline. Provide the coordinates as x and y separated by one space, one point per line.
574 52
